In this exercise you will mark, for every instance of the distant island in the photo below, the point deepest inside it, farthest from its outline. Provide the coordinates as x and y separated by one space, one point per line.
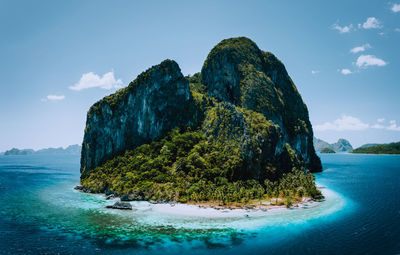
391 148
72 149
238 132
327 150
15 151
342 145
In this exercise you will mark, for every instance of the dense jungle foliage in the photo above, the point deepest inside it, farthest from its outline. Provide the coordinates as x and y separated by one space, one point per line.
184 166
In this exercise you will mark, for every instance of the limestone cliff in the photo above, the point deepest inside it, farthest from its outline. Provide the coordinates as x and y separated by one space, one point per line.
157 101
238 72
244 99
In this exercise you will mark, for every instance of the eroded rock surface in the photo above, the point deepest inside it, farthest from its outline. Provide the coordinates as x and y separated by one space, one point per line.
157 101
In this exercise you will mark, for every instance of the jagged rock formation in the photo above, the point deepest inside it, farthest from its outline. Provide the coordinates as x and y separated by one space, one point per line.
244 98
238 72
342 145
157 101
320 144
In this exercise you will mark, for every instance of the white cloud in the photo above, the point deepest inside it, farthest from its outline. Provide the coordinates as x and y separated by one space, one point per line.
346 122
369 60
371 22
393 126
360 48
397 29
53 98
377 126
314 71
395 8
342 30
92 80
346 71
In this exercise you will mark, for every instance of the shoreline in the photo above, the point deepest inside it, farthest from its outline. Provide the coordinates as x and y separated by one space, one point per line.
254 206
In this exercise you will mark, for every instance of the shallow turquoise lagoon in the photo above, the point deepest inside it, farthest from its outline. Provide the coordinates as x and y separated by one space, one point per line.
42 213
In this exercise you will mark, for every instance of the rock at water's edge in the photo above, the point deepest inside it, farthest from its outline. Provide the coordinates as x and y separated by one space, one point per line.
120 206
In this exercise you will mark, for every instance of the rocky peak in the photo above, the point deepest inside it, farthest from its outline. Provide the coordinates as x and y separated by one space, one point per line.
342 145
238 72
226 66
156 101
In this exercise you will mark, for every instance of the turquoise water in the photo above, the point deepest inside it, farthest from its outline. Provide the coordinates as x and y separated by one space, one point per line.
40 212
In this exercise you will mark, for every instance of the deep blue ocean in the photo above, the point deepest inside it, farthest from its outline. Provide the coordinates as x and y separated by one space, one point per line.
41 213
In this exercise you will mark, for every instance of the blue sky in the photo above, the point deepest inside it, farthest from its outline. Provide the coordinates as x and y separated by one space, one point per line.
59 57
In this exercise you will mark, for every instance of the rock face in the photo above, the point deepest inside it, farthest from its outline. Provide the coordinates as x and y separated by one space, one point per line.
157 101
244 98
238 72
265 154
320 144
342 145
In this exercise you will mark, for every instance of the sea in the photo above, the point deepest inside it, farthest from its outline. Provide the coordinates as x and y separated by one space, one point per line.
42 213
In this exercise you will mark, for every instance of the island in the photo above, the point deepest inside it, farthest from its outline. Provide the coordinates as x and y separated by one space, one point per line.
237 133
391 148
72 149
327 150
342 145
15 151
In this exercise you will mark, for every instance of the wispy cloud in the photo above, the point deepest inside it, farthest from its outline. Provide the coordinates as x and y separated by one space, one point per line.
395 8
360 48
378 126
393 126
344 29
92 80
314 71
346 122
371 23
397 29
53 98
346 71
364 61
350 123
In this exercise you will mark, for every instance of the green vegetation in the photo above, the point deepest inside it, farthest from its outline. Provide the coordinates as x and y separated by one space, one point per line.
327 150
239 49
185 166
116 98
392 148
247 123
